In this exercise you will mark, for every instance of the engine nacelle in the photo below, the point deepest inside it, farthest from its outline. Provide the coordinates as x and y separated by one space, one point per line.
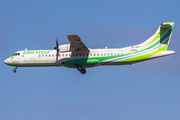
64 48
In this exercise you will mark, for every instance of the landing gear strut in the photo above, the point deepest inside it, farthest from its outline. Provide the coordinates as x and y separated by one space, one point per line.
80 68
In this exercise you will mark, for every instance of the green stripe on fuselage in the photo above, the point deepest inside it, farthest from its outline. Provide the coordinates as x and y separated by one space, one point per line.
88 62
147 55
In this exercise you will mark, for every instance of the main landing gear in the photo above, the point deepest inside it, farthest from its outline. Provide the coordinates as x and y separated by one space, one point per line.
14 70
80 68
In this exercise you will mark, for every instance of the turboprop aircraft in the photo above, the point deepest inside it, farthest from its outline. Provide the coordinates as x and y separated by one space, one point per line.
77 55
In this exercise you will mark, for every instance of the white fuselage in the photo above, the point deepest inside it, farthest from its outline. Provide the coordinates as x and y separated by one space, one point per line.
49 57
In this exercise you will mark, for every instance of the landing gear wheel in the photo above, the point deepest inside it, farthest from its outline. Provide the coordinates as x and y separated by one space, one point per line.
79 68
83 71
14 70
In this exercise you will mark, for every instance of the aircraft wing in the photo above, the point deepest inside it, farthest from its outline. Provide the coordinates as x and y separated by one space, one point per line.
76 43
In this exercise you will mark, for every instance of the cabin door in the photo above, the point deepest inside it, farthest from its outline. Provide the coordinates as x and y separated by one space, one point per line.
128 55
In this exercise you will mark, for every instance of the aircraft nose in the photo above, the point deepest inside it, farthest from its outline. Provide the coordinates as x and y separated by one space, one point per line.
6 61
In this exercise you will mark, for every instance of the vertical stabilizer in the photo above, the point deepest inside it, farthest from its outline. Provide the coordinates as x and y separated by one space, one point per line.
161 38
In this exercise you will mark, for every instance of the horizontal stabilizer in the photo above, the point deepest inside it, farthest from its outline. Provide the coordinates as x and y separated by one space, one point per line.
162 54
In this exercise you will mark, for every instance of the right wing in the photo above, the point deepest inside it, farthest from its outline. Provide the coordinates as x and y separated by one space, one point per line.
75 43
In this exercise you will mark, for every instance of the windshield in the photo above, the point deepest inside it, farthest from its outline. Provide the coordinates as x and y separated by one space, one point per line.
16 54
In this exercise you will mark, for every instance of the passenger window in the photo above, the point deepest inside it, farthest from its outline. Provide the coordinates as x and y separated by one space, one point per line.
66 55
42 55
121 53
94 54
108 54
83 54
69 54
46 55
39 55
63 55
76 54
52 55
90 54
104 54
114 53
101 54
49 55
79 54
87 54
98 54
72 54
111 54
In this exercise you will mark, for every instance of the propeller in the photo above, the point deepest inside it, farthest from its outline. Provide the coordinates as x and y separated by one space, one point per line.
57 47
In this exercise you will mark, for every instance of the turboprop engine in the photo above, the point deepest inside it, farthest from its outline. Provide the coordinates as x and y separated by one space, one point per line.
64 48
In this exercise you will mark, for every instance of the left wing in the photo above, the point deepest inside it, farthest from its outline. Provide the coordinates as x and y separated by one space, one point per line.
76 43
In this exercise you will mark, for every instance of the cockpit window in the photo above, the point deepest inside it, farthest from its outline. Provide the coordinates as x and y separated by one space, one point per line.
16 54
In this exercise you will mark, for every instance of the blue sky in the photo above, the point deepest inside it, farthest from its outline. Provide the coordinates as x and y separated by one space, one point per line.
143 91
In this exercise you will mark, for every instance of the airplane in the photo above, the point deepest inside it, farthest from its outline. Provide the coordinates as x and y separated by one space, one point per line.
77 55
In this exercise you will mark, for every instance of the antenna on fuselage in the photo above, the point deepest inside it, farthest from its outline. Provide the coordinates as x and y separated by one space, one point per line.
25 49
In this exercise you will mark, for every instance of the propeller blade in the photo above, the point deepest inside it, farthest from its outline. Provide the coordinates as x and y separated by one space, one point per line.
57 47
57 42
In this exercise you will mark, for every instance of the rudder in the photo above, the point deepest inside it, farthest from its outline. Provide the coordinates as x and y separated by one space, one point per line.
162 36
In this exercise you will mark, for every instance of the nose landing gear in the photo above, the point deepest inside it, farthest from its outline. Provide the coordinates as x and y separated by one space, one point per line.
14 70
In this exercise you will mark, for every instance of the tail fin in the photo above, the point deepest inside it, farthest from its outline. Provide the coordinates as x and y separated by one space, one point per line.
162 36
